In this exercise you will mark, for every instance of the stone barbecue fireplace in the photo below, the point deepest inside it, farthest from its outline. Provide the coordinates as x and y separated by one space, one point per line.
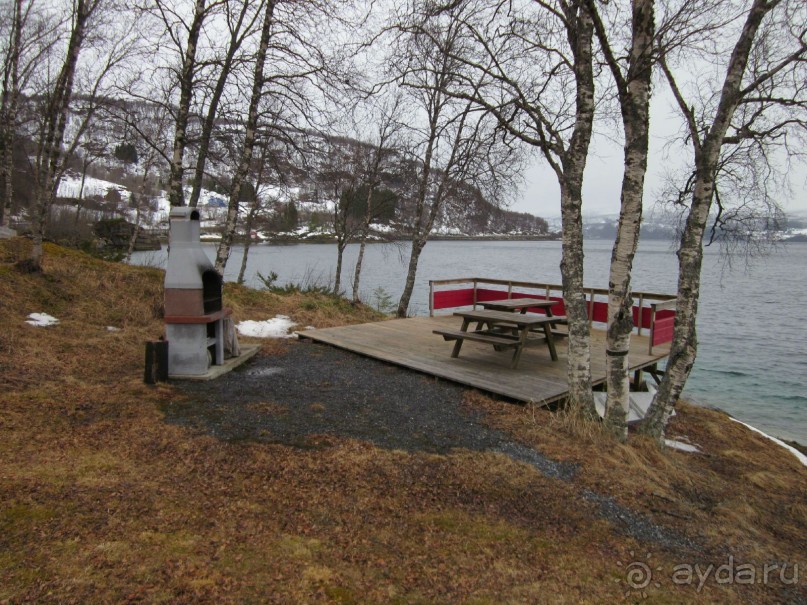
194 315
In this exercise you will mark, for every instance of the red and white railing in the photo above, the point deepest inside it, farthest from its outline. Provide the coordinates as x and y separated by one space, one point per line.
653 312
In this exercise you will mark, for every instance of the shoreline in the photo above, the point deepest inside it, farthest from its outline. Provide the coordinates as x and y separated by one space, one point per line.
329 239
795 445
795 448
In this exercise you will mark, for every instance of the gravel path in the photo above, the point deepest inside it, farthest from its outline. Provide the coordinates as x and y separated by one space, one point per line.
314 390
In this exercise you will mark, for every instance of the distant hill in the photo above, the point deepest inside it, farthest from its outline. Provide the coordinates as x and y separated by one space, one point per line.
303 174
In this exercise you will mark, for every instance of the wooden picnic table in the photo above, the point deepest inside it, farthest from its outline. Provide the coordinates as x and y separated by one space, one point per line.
520 304
504 330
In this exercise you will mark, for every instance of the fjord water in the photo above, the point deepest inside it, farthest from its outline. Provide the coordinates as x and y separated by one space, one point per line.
751 326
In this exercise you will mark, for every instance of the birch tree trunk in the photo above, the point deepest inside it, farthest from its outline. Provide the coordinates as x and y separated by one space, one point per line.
684 346
176 196
634 99
570 178
223 252
8 112
6 177
247 242
423 189
368 215
80 203
707 144
148 162
409 285
368 218
55 120
359 262
253 212
136 230
337 281
456 168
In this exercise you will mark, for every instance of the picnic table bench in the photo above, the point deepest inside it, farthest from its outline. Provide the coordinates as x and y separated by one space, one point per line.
504 330
523 305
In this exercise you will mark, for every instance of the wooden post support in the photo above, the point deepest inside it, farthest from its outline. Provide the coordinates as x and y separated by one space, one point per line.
156 362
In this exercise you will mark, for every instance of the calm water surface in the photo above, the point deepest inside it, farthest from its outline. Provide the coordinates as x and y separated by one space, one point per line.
751 323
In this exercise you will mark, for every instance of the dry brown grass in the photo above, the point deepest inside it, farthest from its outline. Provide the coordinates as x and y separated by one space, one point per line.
743 494
101 501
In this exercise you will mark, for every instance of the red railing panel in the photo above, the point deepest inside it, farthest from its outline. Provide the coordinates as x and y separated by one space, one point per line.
446 299
486 294
663 330
599 312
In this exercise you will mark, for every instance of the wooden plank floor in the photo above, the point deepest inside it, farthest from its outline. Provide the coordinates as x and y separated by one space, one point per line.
411 343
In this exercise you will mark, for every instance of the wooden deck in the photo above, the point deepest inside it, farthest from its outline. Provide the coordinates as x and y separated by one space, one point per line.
411 343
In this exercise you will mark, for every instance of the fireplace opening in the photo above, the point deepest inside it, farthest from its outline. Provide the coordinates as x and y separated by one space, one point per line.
211 292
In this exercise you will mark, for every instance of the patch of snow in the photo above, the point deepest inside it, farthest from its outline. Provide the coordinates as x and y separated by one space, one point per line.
681 446
278 327
326 205
445 230
112 329
801 457
70 186
381 228
638 404
41 320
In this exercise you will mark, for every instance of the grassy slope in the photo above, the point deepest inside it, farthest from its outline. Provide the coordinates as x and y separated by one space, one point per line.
102 501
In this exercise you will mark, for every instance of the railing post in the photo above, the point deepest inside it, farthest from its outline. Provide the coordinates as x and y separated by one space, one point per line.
431 298
476 279
641 309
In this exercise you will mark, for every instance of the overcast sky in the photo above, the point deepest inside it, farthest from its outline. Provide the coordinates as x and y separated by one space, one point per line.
540 194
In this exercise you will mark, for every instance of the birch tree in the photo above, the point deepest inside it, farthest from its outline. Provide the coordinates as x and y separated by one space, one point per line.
387 126
53 123
258 204
240 19
532 69
245 160
9 100
632 76
456 142
761 100
153 123
180 33
295 70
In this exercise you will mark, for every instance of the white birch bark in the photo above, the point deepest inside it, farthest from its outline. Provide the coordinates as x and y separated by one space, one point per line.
707 144
570 177
8 111
176 195
368 218
55 120
633 90
225 246
238 31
